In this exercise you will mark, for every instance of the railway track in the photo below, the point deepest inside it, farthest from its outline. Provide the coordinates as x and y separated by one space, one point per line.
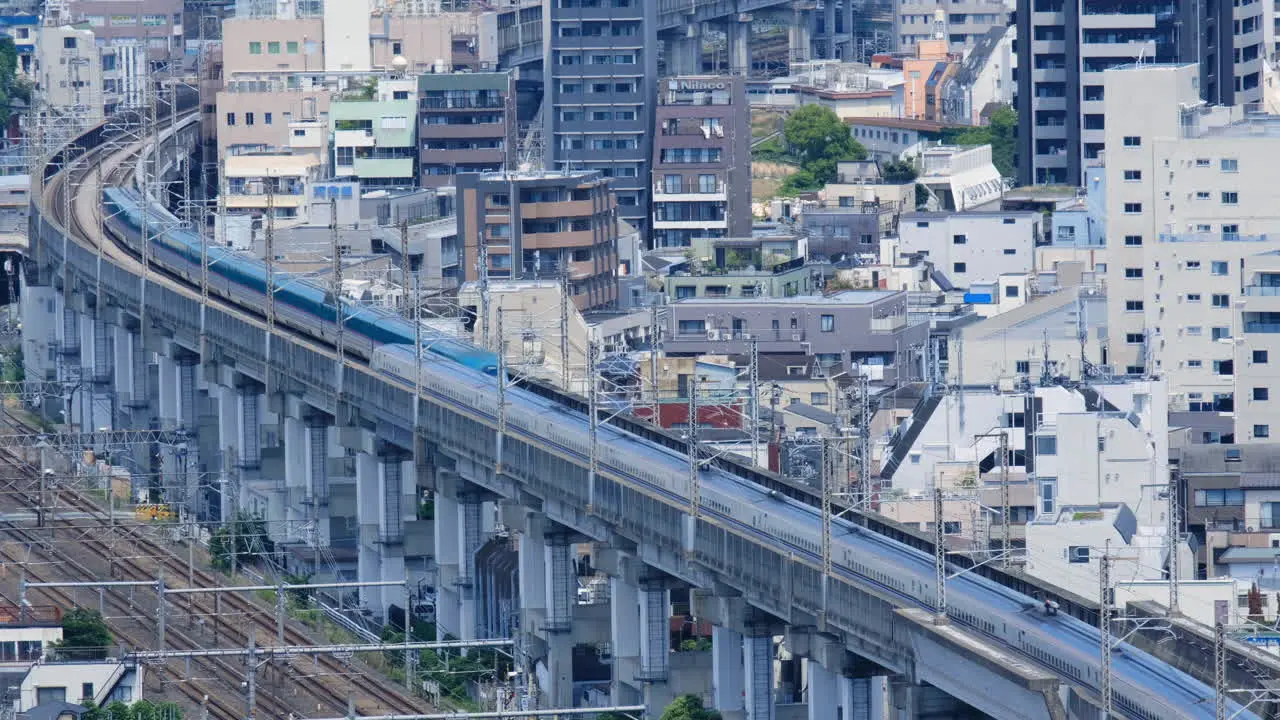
136 556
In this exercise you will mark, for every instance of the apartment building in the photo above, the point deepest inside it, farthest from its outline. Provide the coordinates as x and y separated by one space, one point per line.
701 160
962 24
974 247
154 24
543 224
250 178
1193 218
1065 45
466 123
598 107
69 73
374 130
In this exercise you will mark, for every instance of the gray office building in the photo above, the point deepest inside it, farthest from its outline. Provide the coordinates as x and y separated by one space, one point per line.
1064 45
597 111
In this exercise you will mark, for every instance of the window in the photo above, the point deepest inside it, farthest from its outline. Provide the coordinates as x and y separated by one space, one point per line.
1262 431
1133 338
1202 162
692 327
828 323
248 118
1202 195
1133 273
1230 198
231 118
958 240
1223 367
1078 553
255 48
1193 297
1046 445
1192 265
1010 251
1219 498
1221 300
1261 394
1022 367
273 47
1194 330
1195 364
86 691
1048 493
818 398
1011 291
1133 306
1221 333
266 118
1132 175
1133 240
959 267
1132 141
292 47
1218 267
1260 357
1230 165
1133 208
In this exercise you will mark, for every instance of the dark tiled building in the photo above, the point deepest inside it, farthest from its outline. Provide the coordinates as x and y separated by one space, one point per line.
701 160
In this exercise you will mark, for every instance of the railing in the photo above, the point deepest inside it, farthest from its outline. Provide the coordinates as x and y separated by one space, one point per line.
1262 290
1211 237
444 104
663 189
1261 327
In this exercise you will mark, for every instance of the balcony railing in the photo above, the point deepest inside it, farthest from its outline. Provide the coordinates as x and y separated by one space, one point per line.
664 189
1262 290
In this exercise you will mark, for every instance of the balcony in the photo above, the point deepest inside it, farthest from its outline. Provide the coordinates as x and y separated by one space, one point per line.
571 238
564 208
1212 237
892 323
661 193
353 138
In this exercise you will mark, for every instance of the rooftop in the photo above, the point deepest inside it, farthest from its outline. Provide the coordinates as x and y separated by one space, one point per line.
845 297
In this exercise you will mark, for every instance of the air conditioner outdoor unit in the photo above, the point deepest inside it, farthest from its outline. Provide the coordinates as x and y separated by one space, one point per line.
795 337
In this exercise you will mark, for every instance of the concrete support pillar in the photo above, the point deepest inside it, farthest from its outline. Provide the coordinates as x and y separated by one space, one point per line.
727 682
758 686
850 49
655 633
829 29
902 699
228 442
863 698
738 34
368 485
800 37
684 51
561 596
251 416
102 355
822 699
120 370
139 381
624 618
470 537
448 593
317 479
169 392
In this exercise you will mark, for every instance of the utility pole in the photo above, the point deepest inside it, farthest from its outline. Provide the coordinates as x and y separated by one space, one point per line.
340 315
404 265
564 329
251 679
1220 670
269 255
160 611
695 480
1104 627
482 280
939 559
1006 545
655 405
828 480
593 421
1174 513
502 394
753 387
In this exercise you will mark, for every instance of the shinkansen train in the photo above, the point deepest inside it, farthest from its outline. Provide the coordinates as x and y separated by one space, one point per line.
1144 688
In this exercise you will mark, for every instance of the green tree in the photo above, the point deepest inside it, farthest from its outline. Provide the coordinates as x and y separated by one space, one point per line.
1000 134
246 535
815 133
140 710
84 635
12 87
898 171
688 707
